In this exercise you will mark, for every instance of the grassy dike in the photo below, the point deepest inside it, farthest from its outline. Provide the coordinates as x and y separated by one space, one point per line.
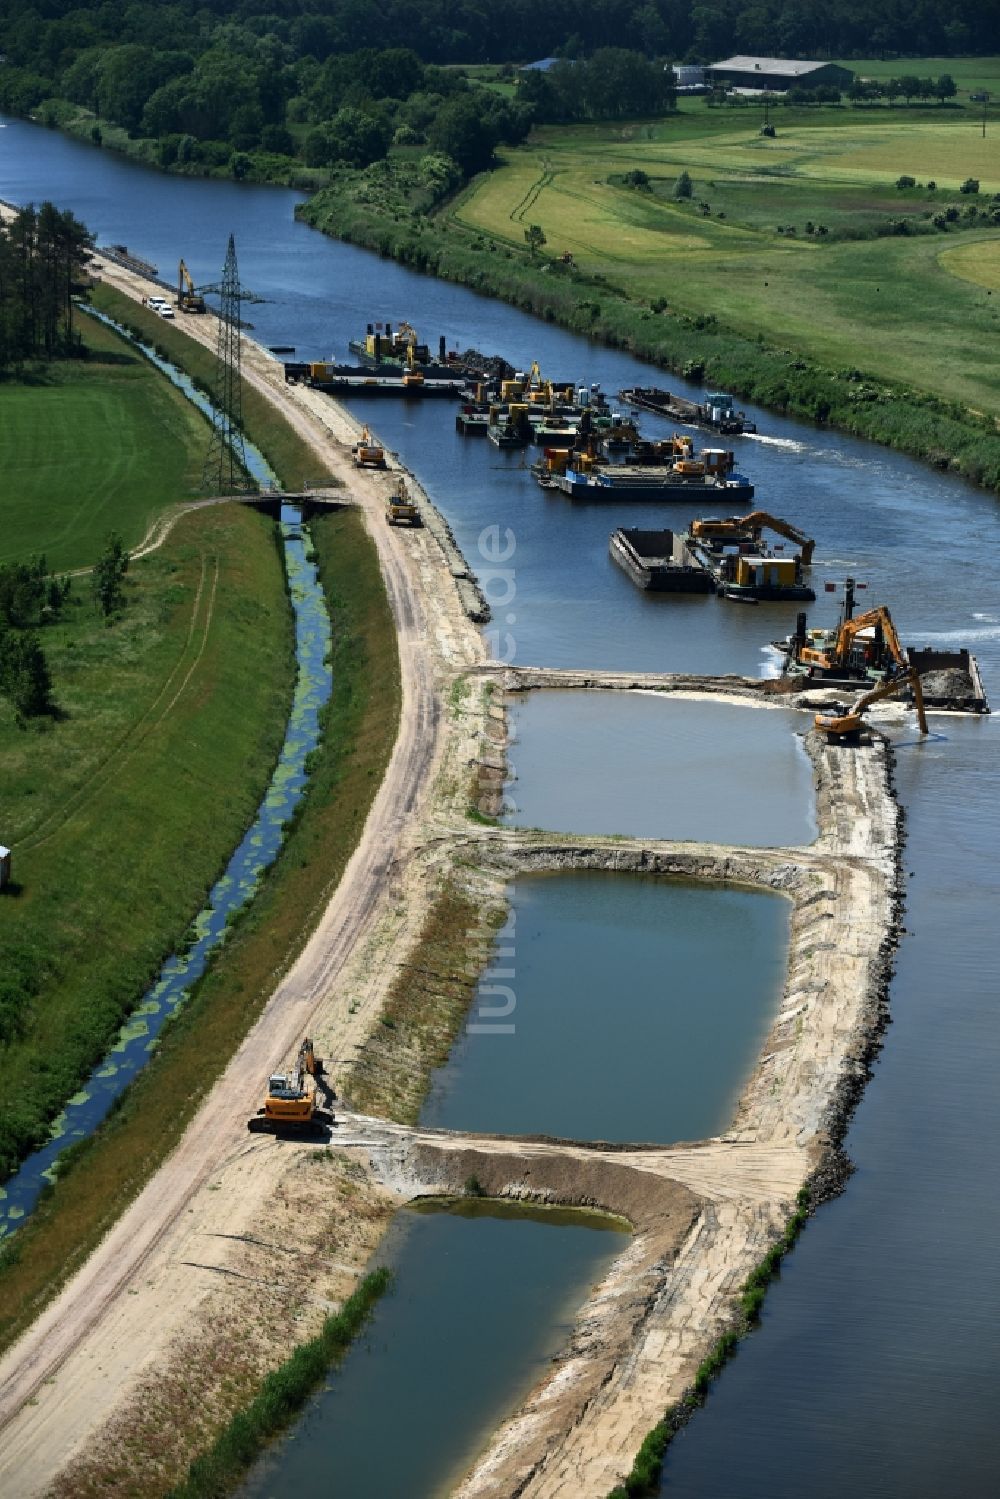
927 426
106 1172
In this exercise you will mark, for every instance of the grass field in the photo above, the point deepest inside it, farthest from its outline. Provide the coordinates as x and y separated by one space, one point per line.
360 730
971 74
89 447
123 810
907 306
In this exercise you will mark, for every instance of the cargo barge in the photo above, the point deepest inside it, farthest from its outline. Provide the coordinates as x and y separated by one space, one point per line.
718 410
349 379
659 561
629 482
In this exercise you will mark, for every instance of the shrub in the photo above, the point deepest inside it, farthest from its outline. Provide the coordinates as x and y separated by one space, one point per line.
931 186
970 185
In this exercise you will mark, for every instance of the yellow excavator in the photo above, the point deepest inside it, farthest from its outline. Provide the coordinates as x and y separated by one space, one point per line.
848 725
400 508
366 453
831 655
753 525
188 299
413 377
290 1106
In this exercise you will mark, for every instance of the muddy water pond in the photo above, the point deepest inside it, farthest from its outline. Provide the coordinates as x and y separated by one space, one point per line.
659 767
616 1007
484 1295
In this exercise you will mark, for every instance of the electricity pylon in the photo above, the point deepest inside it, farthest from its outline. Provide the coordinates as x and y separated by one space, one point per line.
225 470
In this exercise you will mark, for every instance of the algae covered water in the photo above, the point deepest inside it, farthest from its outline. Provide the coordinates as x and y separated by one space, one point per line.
138 1036
484 1294
616 1007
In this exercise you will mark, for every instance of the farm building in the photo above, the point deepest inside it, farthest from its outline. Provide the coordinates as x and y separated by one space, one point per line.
778 74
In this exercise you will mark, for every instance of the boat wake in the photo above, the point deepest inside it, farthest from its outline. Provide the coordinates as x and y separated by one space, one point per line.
789 443
959 637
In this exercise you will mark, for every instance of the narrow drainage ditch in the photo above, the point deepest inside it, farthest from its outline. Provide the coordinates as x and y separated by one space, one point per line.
259 847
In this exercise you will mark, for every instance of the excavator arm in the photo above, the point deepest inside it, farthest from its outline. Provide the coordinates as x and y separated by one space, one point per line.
879 616
756 521
849 723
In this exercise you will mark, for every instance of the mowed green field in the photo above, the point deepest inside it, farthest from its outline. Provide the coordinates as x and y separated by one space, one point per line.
971 74
900 306
123 810
90 447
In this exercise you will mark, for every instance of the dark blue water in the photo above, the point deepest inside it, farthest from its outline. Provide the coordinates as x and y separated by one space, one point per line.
876 1369
683 980
138 1037
560 600
484 1295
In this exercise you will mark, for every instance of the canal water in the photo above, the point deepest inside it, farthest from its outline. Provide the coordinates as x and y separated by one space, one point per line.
259 847
618 1007
875 1368
483 1297
708 771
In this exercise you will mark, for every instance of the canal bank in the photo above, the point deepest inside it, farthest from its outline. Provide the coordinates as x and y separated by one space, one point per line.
907 531
366 968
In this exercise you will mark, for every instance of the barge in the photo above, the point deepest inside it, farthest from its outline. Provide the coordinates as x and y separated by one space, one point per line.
122 255
629 482
349 379
718 410
659 561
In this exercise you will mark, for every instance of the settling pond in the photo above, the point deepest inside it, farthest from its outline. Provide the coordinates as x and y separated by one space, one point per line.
616 1007
658 766
484 1295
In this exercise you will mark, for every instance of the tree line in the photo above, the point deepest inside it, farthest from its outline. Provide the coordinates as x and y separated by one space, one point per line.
49 36
331 81
42 252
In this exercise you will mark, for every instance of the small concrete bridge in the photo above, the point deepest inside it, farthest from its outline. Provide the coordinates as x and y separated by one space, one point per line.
309 501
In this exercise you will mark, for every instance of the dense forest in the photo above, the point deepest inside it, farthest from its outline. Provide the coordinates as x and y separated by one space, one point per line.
328 81
46 37
42 253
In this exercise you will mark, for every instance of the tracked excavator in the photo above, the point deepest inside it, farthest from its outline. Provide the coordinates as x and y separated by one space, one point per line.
290 1106
752 525
853 648
189 299
366 453
848 725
